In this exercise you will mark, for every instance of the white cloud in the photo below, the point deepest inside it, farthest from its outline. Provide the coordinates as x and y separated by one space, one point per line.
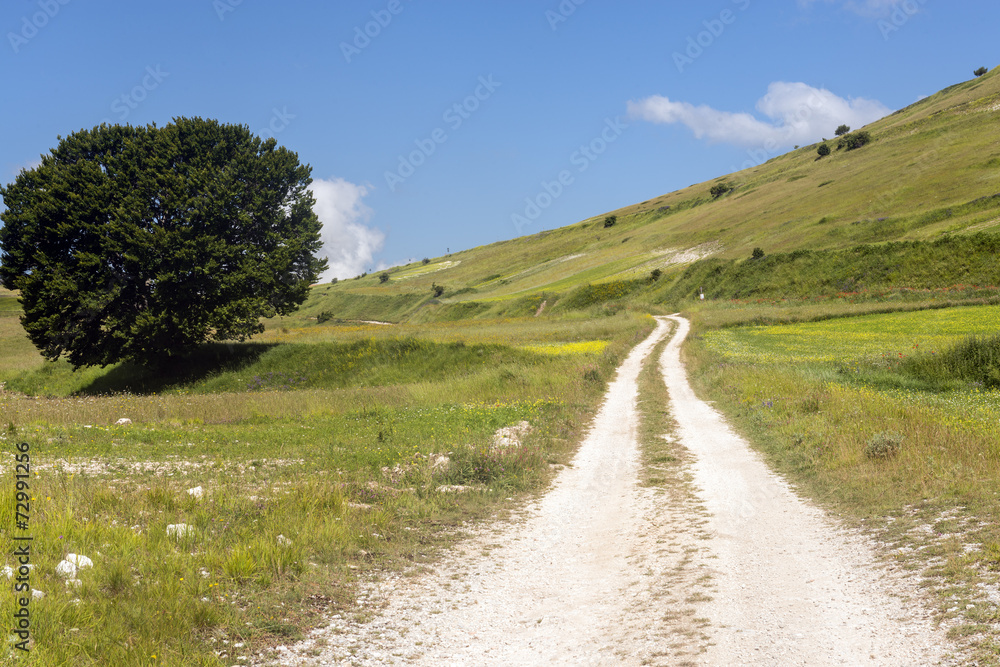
797 113
348 243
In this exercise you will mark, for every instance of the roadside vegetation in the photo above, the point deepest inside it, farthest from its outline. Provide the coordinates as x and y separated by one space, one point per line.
236 509
893 422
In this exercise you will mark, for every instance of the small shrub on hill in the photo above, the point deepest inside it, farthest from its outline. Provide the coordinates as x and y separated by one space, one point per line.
882 446
720 189
981 71
438 290
425 261
383 277
842 130
610 221
855 140
324 316
823 150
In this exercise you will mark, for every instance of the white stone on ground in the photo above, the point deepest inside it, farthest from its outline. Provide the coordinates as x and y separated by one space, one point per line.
66 569
79 560
178 529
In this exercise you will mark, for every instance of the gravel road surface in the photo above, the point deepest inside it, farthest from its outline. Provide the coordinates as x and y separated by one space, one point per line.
729 568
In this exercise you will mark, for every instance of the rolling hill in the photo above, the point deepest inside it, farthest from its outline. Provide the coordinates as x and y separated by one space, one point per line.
930 173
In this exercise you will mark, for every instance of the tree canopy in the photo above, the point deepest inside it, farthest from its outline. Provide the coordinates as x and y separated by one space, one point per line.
140 243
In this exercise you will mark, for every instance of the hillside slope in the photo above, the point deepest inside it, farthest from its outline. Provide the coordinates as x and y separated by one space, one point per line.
931 169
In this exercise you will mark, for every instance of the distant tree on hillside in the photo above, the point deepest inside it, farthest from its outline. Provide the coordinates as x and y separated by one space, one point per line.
383 277
758 253
855 140
823 150
720 189
141 243
437 290
842 130
610 221
981 71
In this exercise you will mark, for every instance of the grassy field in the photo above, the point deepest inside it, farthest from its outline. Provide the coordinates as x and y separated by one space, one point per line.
833 405
869 337
320 455
332 445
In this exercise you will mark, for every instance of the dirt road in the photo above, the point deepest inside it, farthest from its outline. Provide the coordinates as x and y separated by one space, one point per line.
791 587
603 571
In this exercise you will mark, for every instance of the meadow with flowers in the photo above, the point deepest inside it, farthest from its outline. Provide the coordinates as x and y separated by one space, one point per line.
235 509
821 399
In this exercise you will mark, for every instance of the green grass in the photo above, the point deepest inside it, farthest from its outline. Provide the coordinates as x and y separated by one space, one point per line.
975 360
844 408
110 493
285 367
856 338
348 469
899 270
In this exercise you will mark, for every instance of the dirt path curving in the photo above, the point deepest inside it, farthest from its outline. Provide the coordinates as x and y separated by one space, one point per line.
602 571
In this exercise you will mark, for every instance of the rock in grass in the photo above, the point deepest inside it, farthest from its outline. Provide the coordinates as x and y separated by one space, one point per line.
66 569
284 541
124 421
511 436
80 561
8 571
439 462
178 529
196 492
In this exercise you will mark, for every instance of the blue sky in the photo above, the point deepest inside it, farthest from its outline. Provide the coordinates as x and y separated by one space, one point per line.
438 124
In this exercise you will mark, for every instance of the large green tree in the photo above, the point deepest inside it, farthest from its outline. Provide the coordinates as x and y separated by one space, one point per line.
140 243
